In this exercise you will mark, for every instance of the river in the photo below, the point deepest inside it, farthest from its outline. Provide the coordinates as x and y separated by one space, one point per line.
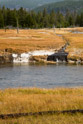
42 76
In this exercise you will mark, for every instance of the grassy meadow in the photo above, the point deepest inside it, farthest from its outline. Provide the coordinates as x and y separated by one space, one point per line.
29 40
46 119
36 100
41 39
75 48
23 100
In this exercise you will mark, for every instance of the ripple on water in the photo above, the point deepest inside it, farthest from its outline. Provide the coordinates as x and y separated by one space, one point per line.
43 76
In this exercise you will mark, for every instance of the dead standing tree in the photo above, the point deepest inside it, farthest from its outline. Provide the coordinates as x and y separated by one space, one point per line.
17 26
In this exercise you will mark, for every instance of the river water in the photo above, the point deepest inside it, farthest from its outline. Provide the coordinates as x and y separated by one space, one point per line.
43 76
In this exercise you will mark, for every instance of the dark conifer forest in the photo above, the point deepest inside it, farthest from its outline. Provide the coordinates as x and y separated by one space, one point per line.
31 19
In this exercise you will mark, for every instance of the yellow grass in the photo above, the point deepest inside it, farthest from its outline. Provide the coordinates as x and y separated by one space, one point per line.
37 39
46 119
35 100
76 44
29 40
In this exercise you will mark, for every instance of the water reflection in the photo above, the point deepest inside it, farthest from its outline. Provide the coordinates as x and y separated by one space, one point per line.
43 76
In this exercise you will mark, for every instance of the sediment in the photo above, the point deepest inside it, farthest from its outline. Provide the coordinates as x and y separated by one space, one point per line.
6 58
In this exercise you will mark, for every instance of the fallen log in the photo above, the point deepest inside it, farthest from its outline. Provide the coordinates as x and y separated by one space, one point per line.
17 115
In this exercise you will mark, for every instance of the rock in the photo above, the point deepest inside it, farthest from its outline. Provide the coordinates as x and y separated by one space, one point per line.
7 58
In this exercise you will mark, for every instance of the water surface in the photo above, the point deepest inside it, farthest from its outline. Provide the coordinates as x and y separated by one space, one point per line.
43 76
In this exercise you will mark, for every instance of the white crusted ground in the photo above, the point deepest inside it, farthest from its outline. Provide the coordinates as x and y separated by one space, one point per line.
24 57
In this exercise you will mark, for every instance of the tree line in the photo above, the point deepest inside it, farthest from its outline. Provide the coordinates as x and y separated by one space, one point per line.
31 19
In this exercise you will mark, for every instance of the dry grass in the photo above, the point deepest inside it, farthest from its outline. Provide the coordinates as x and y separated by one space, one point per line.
76 45
28 40
35 100
37 39
47 119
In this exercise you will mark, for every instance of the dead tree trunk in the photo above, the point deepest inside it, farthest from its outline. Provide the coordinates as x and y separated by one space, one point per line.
17 27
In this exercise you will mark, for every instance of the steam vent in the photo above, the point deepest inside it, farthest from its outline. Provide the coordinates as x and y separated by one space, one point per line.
60 55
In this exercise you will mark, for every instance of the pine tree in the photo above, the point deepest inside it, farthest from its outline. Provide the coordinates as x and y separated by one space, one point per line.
1 20
45 19
52 19
21 16
4 16
81 19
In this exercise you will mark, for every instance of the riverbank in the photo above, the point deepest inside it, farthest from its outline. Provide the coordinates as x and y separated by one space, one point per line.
32 40
23 100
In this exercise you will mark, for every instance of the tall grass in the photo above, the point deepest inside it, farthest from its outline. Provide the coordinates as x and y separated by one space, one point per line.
46 119
35 100
29 40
